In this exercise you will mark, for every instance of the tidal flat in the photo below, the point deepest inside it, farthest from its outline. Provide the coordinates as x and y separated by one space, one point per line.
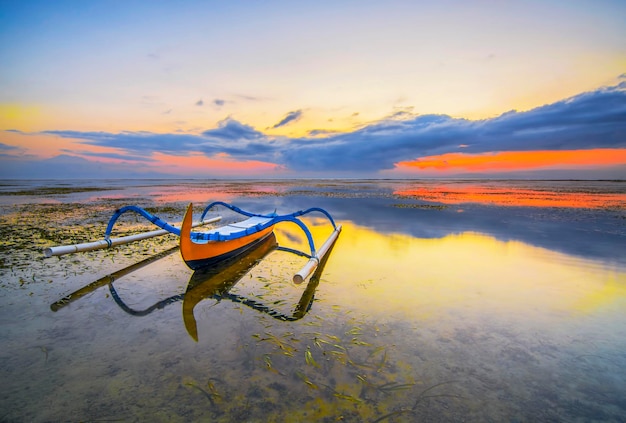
442 300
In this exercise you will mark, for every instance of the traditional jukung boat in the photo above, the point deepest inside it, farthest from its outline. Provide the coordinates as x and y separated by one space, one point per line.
207 248
211 247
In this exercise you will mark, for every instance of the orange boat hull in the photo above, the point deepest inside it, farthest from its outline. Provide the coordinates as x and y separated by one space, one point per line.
198 255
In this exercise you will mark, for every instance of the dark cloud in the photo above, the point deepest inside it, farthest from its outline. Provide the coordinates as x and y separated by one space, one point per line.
67 166
590 120
251 98
231 130
140 143
219 102
6 147
374 147
200 103
317 132
240 141
117 156
231 137
290 117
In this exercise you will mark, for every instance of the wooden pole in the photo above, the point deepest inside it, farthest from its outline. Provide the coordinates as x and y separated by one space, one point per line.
308 268
112 242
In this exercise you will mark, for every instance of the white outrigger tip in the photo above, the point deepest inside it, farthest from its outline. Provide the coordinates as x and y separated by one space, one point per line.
314 261
112 242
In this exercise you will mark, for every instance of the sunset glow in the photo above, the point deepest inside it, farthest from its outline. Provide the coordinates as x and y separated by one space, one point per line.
425 297
514 197
219 164
517 160
219 89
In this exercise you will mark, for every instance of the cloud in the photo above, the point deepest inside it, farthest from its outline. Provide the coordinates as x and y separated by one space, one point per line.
251 98
240 141
317 132
200 103
219 102
7 148
591 120
67 166
236 139
104 155
519 160
231 130
290 117
141 143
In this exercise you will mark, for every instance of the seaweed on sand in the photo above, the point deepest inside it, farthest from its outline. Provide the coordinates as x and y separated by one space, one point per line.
421 397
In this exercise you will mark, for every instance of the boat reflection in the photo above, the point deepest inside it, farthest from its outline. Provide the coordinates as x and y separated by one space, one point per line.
214 282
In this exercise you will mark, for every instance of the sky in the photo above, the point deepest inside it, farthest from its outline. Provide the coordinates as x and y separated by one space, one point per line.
284 89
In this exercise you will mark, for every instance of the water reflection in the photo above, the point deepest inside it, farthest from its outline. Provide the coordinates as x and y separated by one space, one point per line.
513 196
422 314
109 279
473 272
586 233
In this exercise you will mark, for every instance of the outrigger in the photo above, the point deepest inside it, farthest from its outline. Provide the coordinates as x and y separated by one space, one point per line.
208 248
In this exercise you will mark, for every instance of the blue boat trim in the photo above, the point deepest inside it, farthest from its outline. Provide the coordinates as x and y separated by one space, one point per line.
272 219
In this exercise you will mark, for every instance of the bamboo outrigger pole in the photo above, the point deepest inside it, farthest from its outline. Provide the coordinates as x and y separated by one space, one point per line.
313 262
112 242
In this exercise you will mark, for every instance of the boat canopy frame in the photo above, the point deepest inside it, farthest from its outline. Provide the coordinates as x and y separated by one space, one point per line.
271 220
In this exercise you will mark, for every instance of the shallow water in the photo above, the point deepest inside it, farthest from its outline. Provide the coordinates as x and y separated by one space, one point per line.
436 304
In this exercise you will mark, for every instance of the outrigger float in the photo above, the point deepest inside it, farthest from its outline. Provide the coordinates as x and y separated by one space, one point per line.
208 248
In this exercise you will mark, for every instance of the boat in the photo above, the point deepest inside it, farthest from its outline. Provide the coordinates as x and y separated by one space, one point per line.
219 244
210 247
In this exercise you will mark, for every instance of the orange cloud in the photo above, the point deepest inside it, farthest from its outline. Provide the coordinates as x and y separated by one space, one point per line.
220 164
516 160
36 145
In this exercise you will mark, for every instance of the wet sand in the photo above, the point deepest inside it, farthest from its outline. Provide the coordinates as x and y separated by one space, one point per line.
441 301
